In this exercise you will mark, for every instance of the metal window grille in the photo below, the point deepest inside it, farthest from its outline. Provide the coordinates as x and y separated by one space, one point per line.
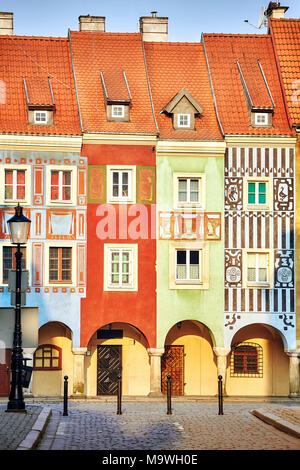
246 360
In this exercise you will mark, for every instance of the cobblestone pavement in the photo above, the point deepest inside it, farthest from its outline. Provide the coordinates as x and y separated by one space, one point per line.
289 414
146 426
14 427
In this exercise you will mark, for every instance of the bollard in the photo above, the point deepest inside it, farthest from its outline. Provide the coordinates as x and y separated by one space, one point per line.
119 409
65 413
220 395
169 394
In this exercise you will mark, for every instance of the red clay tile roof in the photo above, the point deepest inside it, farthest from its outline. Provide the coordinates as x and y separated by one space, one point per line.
223 51
111 53
286 34
35 59
171 67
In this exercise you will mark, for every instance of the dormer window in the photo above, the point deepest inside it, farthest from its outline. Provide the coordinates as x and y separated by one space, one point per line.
183 109
117 95
184 120
261 119
40 101
40 117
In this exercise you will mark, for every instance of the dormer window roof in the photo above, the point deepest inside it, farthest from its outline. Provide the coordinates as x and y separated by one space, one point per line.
183 108
117 95
40 100
258 96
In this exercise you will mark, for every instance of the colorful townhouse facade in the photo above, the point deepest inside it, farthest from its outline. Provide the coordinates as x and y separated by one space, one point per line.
42 170
259 213
161 190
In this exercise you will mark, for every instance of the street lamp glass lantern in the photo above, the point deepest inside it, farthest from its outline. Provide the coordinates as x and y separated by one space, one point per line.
19 226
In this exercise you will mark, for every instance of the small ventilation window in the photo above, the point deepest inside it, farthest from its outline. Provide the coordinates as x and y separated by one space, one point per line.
261 119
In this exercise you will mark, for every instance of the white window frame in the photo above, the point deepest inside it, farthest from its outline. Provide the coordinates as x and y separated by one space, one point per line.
42 113
27 200
268 206
132 249
59 202
260 115
118 107
188 280
6 243
270 274
203 281
202 190
185 116
61 244
131 198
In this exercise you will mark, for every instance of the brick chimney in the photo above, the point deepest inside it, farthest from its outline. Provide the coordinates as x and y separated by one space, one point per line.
91 23
154 28
6 23
275 10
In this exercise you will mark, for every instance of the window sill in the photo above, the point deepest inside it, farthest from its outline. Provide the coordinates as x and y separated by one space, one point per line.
259 286
257 208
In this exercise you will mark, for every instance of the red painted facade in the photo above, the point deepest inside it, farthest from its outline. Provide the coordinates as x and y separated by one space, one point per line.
100 307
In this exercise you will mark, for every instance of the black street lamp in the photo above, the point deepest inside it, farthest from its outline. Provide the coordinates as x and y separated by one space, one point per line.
19 229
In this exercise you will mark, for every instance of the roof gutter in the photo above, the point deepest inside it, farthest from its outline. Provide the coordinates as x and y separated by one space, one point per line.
211 86
74 75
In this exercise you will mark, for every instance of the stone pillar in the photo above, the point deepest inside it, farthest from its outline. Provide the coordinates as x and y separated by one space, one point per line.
222 354
28 354
78 371
155 371
294 372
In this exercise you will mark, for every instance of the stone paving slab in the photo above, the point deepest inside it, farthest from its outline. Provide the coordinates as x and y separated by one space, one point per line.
15 426
286 419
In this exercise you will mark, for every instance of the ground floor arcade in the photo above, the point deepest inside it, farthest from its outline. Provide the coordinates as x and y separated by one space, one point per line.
256 364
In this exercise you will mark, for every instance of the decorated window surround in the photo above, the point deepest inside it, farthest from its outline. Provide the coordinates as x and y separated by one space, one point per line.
203 248
131 198
202 190
61 244
268 206
27 200
270 269
61 203
133 268
28 260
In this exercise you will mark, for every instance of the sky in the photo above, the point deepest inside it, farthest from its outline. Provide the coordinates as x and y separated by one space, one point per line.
187 18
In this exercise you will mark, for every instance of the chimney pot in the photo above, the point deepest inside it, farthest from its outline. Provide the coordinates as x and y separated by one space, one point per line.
275 10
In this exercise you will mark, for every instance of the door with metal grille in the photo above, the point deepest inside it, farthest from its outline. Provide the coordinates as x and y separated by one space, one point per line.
5 358
109 365
172 363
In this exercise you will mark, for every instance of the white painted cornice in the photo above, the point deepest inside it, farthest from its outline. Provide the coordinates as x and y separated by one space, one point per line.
40 142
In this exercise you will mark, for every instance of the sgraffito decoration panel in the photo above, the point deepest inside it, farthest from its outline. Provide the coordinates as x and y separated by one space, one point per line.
250 229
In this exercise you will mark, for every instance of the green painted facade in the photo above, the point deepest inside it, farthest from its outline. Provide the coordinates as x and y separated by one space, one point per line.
202 305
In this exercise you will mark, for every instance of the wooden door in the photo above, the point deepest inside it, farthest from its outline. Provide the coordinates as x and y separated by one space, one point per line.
5 356
109 365
172 363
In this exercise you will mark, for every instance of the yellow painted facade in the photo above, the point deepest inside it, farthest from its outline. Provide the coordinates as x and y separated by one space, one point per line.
51 383
275 369
135 362
200 366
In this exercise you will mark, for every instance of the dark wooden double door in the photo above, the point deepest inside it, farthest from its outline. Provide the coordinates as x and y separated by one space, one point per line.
109 365
172 363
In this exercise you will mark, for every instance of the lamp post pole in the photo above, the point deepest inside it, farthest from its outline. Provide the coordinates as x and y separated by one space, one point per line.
19 230
16 400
